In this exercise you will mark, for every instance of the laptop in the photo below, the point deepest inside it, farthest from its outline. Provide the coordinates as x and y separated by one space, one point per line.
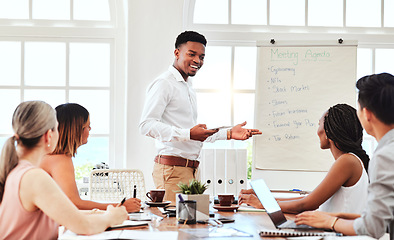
273 209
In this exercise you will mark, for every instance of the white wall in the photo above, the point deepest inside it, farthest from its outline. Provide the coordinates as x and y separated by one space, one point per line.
153 27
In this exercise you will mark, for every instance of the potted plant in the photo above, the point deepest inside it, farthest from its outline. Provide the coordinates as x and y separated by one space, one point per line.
195 191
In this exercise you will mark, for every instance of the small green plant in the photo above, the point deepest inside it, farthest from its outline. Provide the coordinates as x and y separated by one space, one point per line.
194 187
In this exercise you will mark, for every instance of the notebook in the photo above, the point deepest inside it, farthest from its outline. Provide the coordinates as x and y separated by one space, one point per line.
273 209
129 223
295 233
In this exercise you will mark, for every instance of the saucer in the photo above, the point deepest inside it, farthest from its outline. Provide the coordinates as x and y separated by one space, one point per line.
158 204
226 208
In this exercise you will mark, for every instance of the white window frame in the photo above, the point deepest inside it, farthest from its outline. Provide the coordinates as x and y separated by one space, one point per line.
113 32
247 35
251 33
233 91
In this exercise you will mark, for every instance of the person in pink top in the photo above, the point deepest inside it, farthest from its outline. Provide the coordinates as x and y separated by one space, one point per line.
74 128
31 203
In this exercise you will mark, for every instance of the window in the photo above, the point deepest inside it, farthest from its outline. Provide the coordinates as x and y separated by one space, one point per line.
388 16
93 10
229 73
357 10
325 13
328 13
256 8
211 12
58 72
79 66
225 89
293 14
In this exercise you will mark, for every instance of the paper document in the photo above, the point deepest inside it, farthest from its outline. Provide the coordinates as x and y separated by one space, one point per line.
140 216
129 223
146 235
245 208
121 234
69 235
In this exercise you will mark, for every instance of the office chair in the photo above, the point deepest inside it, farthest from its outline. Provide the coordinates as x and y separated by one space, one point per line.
115 184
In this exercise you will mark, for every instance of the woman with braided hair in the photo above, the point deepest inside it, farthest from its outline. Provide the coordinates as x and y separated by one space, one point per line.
344 189
346 138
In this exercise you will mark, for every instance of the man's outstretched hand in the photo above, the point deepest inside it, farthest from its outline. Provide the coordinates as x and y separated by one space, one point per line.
240 133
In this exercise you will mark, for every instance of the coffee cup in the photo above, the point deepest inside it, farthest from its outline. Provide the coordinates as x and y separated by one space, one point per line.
226 199
156 195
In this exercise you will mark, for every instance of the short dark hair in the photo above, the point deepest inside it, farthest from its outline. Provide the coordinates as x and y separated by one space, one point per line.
376 93
190 36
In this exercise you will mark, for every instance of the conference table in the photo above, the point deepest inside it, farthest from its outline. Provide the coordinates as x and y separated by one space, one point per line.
248 222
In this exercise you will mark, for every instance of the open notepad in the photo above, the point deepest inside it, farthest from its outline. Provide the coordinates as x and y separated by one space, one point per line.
129 223
245 208
295 233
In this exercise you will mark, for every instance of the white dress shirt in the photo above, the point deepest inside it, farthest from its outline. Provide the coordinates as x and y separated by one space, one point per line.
379 212
170 111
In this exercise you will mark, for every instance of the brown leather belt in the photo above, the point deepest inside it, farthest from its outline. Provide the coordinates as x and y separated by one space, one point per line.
176 161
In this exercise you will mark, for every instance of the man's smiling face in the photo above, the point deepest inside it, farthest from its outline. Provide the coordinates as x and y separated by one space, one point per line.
189 58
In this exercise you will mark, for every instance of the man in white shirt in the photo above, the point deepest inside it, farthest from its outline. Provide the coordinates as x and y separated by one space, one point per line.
170 116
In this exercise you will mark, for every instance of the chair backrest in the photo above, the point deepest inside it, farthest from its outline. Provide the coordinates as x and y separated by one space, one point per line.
115 184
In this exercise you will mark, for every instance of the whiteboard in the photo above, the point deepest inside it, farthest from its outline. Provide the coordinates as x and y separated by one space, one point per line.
295 86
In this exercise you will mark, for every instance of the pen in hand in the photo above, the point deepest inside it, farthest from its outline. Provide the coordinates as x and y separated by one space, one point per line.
135 191
121 203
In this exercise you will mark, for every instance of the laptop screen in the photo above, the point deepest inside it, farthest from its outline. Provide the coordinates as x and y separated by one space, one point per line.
266 198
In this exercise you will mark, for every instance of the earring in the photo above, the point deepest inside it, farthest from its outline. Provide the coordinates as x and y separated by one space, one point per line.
49 145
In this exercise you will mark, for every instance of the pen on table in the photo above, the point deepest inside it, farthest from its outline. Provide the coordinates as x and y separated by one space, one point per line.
295 190
135 191
301 192
218 222
121 203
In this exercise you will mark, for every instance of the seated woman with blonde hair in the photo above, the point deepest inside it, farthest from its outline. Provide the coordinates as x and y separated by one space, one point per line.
344 189
74 127
31 203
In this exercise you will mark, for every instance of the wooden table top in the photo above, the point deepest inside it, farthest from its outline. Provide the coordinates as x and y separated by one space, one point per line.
248 222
